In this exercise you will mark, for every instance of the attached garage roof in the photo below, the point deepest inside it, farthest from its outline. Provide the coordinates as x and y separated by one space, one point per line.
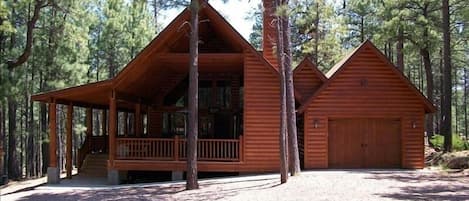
338 68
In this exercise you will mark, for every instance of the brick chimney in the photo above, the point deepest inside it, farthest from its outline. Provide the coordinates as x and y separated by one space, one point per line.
269 32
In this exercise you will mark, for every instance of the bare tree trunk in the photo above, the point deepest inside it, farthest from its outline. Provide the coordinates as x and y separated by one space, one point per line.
400 49
446 102
316 36
283 106
429 75
13 165
192 182
294 157
465 109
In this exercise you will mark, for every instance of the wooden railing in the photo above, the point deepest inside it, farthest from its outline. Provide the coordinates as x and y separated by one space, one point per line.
213 149
145 148
175 149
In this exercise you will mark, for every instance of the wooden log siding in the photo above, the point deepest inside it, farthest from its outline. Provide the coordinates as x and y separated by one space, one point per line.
174 149
382 95
261 116
306 80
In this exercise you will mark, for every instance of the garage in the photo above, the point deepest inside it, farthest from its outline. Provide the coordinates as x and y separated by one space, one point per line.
364 143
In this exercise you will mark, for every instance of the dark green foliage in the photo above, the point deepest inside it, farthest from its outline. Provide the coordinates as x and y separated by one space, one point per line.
459 143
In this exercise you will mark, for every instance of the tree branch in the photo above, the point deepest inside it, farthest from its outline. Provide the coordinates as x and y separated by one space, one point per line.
29 37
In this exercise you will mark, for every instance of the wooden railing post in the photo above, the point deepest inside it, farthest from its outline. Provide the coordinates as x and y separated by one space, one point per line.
176 148
241 148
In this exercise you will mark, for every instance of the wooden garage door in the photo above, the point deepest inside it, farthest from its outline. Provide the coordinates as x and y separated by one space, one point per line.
364 143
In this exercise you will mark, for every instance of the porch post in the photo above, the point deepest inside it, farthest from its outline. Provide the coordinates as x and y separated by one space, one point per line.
68 156
104 128
89 122
89 125
53 170
113 174
138 119
126 124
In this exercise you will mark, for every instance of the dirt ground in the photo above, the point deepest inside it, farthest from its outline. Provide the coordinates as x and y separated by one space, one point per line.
310 185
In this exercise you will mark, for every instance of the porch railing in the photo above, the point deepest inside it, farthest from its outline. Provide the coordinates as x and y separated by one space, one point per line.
175 149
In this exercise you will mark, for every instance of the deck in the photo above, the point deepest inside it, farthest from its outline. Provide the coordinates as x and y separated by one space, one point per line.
169 154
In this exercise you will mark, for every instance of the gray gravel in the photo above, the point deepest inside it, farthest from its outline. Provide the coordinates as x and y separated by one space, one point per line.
310 185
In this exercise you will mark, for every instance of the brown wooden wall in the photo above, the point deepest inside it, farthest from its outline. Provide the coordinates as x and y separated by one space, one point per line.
155 122
306 81
261 116
366 88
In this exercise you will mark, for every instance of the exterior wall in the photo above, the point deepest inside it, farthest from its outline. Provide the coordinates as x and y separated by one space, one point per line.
261 116
306 81
366 88
155 122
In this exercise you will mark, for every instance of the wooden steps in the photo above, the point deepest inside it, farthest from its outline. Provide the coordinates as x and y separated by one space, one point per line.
95 165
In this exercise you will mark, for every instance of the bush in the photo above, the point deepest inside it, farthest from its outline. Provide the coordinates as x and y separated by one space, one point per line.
458 143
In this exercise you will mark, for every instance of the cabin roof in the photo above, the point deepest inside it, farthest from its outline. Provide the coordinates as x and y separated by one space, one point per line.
338 68
306 63
147 64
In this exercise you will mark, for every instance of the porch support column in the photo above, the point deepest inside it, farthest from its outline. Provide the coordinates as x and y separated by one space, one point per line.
68 155
126 124
138 120
104 128
89 122
113 174
53 170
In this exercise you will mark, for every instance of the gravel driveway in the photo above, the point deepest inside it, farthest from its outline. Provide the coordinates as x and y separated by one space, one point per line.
310 185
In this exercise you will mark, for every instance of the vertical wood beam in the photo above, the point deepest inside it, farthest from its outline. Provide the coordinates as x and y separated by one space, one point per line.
103 122
89 122
68 154
112 130
104 128
126 124
52 134
138 120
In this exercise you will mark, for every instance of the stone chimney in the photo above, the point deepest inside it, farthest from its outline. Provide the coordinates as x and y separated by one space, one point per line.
269 32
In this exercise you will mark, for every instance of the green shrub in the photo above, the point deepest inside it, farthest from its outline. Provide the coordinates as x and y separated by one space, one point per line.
458 143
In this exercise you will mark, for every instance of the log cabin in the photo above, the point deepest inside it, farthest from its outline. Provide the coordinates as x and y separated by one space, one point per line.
363 104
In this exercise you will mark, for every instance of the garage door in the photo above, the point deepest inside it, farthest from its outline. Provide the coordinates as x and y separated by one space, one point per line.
364 143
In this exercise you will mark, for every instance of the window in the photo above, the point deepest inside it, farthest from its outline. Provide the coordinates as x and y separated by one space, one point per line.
205 94
174 124
223 94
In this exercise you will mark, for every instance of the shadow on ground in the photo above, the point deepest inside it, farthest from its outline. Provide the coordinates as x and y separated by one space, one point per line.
426 186
208 191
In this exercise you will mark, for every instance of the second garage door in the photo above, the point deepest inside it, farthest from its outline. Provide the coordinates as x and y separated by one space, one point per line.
364 143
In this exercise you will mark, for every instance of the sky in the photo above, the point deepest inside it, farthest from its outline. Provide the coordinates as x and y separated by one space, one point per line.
235 12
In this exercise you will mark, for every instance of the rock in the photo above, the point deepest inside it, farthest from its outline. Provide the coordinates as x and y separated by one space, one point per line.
461 162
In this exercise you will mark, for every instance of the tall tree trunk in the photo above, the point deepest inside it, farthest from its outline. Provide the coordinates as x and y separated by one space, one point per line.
294 158
2 139
446 102
13 165
400 49
192 182
429 75
465 109
283 106
316 36
362 29
425 53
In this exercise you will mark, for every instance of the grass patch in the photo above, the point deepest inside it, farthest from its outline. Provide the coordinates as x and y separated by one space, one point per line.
458 143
